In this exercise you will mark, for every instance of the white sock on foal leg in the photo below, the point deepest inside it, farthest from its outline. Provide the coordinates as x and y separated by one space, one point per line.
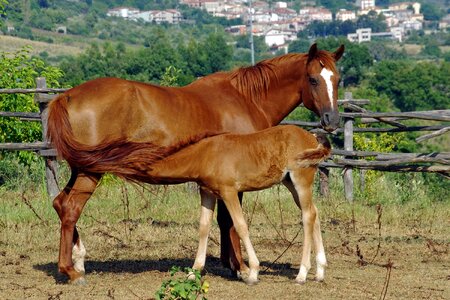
321 261
78 254
303 272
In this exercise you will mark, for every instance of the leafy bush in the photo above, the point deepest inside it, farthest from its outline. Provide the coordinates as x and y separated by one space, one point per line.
183 287
383 142
19 70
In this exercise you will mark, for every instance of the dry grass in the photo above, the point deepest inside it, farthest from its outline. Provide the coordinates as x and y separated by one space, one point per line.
132 246
12 44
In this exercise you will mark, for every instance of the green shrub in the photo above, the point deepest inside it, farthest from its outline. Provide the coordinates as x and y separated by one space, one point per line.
183 287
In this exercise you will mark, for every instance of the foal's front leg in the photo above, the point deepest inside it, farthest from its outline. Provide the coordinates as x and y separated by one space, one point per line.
302 181
208 204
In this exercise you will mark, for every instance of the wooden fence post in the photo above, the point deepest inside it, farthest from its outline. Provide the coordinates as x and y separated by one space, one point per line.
348 146
362 180
51 166
324 188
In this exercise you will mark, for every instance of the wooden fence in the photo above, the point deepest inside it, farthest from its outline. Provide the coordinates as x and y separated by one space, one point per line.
346 158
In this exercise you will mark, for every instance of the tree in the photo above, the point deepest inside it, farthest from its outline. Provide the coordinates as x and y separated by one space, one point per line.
431 12
372 20
382 51
431 49
19 70
43 3
299 46
259 45
218 53
3 4
413 86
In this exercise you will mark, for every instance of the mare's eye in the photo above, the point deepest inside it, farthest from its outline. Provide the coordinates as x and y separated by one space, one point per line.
313 81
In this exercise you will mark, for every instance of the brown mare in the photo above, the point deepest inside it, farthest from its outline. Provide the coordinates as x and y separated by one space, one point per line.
114 125
227 164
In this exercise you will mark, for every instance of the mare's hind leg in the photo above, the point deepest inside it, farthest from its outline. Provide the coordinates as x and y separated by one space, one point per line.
78 250
69 204
232 203
301 188
208 203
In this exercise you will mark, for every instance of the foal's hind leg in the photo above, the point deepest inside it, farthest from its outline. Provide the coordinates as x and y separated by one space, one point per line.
302 180
230 245
69 204
232 203
208 203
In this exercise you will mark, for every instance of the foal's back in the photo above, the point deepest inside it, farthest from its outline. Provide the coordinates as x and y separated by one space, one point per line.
244 162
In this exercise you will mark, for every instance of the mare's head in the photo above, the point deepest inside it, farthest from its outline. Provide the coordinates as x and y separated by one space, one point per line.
321 91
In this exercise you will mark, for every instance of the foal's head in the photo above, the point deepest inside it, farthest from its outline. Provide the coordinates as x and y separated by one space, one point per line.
323 79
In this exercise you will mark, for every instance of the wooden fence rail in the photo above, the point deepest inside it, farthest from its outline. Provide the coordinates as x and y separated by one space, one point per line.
346 159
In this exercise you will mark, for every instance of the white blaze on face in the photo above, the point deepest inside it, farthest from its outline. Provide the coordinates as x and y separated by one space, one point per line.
326 75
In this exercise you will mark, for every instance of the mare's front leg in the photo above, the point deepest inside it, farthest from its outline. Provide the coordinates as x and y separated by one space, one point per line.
230 245
301 188
207 211
233 205
69 204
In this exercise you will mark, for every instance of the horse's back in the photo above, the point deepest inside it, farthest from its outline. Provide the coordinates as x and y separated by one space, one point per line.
112 108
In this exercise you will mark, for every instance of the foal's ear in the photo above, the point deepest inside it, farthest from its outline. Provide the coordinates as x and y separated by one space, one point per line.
339 52
312 52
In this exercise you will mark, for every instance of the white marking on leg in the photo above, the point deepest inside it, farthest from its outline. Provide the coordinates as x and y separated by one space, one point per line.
206 215
321 261
326 75
78 254
301 277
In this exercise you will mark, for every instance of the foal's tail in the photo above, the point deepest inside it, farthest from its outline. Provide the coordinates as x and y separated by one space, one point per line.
312 157
122 157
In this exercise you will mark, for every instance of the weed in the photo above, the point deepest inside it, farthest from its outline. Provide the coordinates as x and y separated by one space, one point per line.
183 287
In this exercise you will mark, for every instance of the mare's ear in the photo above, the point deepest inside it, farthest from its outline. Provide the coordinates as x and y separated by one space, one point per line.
339 52
312 52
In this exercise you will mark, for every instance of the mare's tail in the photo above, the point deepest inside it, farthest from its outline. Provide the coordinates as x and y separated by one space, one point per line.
122 157
312 157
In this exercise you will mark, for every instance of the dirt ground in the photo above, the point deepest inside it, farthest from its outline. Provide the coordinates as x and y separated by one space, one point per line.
130 260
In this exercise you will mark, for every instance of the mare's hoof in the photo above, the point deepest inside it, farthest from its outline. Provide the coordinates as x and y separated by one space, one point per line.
79 281
319 279
300 282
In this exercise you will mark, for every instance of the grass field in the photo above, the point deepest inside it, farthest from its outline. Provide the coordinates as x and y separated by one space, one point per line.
134 235
12 44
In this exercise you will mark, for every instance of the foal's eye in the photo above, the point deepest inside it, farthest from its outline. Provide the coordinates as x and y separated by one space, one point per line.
313 81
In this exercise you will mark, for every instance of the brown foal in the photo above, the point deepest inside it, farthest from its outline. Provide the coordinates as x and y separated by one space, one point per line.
227 164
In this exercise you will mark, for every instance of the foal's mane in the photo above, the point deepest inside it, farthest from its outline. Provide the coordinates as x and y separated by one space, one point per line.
253 82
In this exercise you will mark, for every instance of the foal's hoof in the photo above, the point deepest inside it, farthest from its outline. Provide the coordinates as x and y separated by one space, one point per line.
300 281
250 281
79 281
191 276
319 279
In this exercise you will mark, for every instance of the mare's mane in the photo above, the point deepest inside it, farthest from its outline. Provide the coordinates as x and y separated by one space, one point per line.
253 82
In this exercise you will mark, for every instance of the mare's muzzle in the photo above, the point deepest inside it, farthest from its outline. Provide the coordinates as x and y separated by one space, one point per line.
330 120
